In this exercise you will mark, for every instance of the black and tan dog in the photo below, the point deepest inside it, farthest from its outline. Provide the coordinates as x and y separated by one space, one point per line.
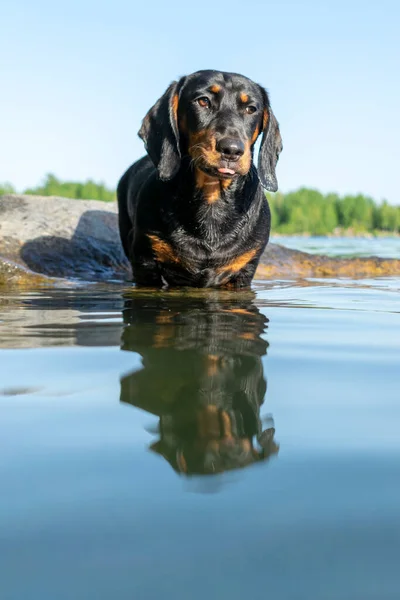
193 212
202 376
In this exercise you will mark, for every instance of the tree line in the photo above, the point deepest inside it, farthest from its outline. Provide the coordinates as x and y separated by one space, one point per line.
302 211
309 211
52 186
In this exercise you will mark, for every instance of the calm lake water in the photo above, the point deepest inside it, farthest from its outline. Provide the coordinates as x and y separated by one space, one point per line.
386 247
201 445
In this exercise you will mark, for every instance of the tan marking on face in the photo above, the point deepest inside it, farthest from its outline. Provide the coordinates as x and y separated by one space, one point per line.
215 88
265 118
244 97
202 147
202 144
244 163
255 135
163 251
195 139
238 263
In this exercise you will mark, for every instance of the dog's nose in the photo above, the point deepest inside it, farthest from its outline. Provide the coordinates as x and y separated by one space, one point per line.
230 148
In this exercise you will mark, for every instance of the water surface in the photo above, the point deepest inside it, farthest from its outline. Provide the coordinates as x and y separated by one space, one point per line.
201 445
383 247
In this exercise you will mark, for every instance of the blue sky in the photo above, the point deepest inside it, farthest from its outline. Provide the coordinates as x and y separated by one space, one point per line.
77 78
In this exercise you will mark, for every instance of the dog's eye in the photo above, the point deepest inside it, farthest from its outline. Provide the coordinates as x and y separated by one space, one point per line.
250 109
204 102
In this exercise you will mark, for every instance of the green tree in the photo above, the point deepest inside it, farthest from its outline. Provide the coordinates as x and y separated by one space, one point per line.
275 202
304 211
88 190
356 212
388 217
6 188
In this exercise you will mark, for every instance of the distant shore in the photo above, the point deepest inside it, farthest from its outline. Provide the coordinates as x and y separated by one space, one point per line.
304 210
339 233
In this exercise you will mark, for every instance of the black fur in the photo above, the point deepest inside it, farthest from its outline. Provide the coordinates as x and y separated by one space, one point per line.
183 221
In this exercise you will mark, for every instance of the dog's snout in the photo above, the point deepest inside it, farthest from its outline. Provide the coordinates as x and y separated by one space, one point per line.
231 148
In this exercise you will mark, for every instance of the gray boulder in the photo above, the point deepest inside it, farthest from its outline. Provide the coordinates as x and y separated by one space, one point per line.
59 237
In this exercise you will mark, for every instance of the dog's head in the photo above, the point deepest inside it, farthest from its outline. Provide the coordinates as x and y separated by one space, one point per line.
214 118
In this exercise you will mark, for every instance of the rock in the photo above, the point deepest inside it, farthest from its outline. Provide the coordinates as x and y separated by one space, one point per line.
59 237
12 274
51 237
278 261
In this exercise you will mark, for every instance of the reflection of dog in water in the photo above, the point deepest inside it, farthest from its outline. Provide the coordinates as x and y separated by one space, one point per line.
202 376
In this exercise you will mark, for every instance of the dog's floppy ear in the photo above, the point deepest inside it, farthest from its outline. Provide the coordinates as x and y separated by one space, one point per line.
160 133
270 149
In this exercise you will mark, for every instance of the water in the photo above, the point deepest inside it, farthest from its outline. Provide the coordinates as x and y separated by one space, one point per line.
383 247
201 445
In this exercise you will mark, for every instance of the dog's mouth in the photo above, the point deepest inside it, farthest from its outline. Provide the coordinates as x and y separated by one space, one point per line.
227 171
218 166
224 170
219 163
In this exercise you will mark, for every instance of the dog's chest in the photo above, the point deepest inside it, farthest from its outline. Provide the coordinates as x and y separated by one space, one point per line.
206 248
187 260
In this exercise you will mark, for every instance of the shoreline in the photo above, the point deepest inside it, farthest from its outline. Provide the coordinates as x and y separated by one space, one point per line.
57 241
339 234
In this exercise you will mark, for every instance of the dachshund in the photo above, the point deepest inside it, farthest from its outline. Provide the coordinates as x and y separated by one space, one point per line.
193 212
